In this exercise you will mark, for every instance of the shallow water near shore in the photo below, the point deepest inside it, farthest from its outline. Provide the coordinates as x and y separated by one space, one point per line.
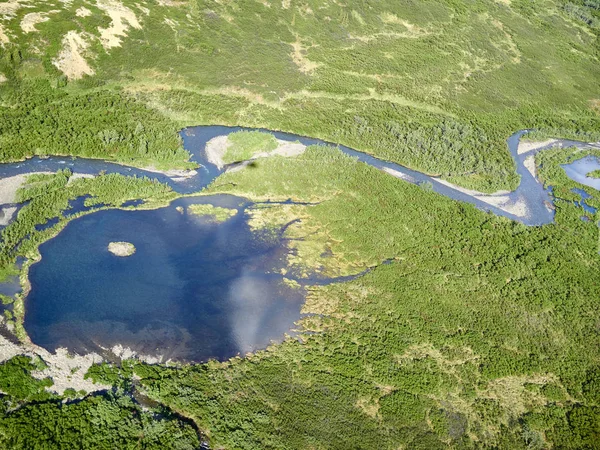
193 290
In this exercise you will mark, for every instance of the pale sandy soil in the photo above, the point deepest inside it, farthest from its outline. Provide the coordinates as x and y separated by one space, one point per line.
528 146
499 199
397 174
285 148
122 18
128 353
529 164
121 248
176 174
304 64
10 8
503 202
31 20
171 3
70 60
10 185
470 191
66 370
143 9
3 37
6 215
83 12
3 78
76 176
216 148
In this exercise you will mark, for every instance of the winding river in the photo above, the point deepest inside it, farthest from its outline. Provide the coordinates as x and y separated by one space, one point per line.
530 195
196 289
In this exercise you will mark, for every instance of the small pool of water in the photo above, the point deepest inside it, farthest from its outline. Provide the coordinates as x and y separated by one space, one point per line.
193 290
577 171
582 203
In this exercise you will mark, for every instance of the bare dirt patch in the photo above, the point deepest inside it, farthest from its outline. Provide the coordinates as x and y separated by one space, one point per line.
500 199
3 36
171 3
173 173
66 371
10 8
216 148
399 175
31 20
122 18
299 57
516 207
528 146
10 185
121 248
70 60
6 215
76 176
83 12
529 164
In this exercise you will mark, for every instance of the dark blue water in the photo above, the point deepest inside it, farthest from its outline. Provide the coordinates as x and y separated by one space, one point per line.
193 290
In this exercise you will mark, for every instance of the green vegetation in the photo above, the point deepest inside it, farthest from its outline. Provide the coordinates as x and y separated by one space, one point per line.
18 384
109 374
551 174
217 213
49 197
482 330
435 85
8 271
243 145
106 421
593 174
99 422
39 120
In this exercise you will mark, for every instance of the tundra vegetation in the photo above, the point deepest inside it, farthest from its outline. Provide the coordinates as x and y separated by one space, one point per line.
243 145
481 332
593 174
216 213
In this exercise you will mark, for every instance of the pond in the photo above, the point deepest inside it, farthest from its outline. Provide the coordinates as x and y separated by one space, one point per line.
193 290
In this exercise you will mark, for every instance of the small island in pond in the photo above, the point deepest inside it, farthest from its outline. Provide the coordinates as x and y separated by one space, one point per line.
121 248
